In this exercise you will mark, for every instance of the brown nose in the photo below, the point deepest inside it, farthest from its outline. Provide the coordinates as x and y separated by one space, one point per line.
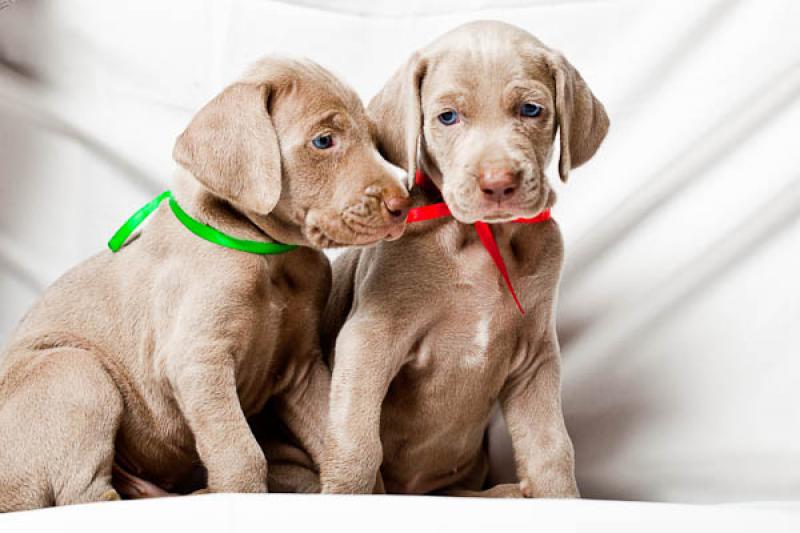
396 207
498 183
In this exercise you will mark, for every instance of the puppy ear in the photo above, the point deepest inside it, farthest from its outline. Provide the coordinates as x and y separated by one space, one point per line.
397 114
231 147
582 119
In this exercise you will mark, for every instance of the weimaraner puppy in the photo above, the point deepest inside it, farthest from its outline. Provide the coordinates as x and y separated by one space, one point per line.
430 334
152 358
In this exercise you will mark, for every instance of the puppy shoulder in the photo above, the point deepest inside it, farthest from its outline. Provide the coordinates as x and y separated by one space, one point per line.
540 247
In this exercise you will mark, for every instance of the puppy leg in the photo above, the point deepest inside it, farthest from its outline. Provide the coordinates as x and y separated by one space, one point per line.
133 487
290 466
60 418
294 444
304 409
353 451
531 402
207 395
505 490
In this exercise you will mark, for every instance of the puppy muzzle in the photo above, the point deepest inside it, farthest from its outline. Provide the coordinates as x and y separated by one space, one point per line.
378 214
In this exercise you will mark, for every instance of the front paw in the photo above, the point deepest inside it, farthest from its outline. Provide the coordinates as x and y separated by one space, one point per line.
239 476
352 470
506 490
243 482
558 488
349 484
352 478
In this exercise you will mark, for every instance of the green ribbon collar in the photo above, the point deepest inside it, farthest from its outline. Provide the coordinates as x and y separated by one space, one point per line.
195 226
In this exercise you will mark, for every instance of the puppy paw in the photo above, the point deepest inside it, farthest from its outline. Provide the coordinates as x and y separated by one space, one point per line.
563 489
134 487
241 482
109 496
240 469
506 490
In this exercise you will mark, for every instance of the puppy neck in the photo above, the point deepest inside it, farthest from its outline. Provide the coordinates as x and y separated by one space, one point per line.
280 225
215 211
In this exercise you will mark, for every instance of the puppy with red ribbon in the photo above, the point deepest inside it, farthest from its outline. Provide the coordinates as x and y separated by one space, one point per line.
429 331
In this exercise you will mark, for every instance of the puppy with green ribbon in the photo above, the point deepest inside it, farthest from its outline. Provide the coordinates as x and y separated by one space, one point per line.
148 359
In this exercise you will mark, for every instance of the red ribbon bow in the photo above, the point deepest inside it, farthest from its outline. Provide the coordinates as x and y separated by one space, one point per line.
440 210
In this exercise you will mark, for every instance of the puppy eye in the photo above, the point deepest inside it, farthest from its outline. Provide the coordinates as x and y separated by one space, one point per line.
448 118
323 142
530 110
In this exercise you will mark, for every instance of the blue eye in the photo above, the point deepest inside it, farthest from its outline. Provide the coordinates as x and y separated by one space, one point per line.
323 142
448 118
530 110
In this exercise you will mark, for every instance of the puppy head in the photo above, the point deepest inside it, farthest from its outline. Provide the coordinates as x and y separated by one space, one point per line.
292 147
481 107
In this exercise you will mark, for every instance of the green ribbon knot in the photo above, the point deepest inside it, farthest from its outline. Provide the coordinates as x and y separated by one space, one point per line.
195 226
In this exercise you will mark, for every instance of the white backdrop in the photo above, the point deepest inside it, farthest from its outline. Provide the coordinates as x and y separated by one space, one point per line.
679 314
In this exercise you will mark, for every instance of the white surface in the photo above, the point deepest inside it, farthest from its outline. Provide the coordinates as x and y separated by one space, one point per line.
679 312
402 514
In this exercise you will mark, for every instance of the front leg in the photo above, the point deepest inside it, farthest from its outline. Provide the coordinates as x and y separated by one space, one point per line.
207 396
531 402
361 376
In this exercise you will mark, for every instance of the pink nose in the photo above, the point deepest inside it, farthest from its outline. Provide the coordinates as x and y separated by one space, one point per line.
396 207
498 182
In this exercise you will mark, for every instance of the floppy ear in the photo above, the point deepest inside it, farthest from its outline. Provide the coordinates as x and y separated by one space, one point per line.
582 119
231 147
397 114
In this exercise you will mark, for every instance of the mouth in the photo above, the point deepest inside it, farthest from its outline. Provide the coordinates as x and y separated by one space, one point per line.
498 216
326 230
494 213
468 206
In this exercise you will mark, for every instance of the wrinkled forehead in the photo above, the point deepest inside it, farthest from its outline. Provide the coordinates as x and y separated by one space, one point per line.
306 94
485 68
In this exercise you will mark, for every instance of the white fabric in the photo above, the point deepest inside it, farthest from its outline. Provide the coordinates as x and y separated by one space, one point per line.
223 513
679 310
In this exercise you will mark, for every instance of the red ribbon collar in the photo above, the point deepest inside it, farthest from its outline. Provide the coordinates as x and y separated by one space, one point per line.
440 210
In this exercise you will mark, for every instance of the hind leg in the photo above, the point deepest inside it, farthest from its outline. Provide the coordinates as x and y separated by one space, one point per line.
291 432
506 490
290 467
135 487
59 412
89 413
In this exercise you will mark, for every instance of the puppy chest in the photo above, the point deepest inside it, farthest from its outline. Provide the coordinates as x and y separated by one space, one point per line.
460 360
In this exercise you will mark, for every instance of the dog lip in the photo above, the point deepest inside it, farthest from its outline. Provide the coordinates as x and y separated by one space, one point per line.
484 211
492 213
496 212
493 216
502 216
359 238
395 231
